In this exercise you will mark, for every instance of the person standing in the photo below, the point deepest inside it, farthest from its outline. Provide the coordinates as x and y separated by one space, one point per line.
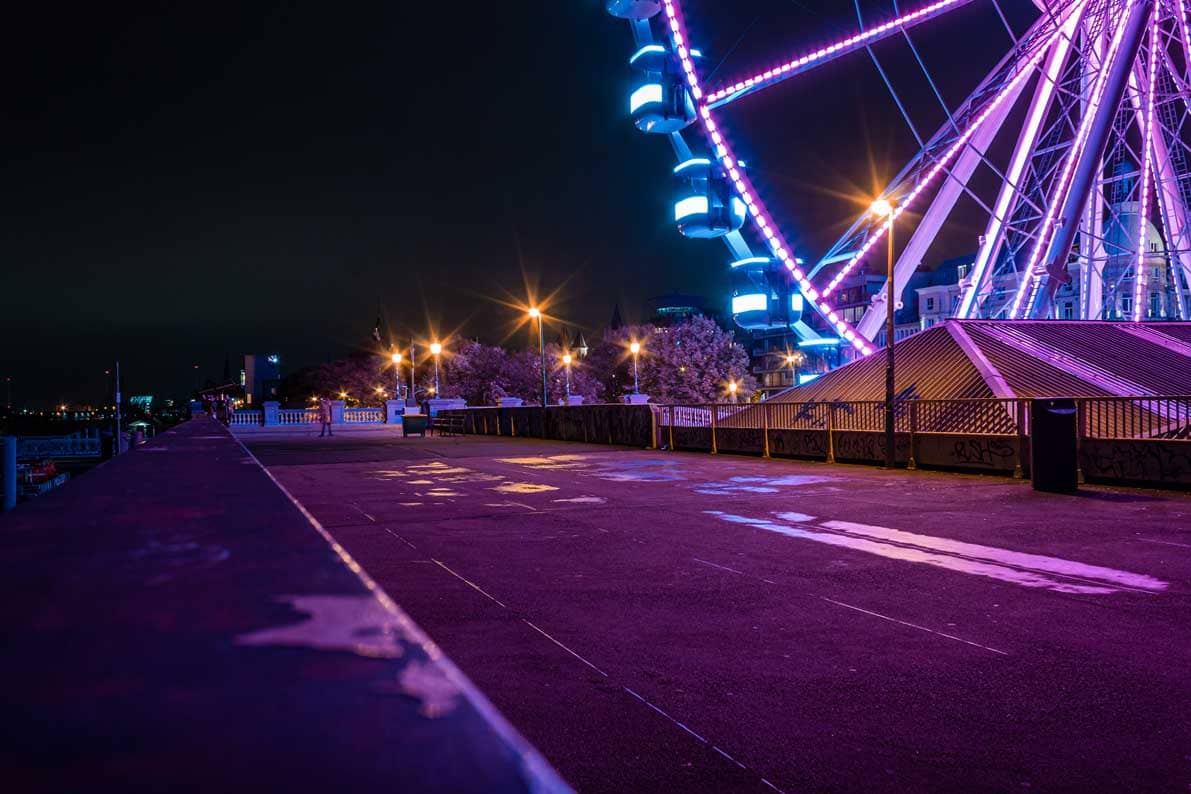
324 416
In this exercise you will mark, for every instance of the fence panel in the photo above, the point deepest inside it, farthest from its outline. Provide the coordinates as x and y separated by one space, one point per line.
1161 418
365 415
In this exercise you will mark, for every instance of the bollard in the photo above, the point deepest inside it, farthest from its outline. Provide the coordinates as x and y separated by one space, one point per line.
8 472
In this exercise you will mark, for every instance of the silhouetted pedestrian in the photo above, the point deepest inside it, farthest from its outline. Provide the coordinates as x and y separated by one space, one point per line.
324 416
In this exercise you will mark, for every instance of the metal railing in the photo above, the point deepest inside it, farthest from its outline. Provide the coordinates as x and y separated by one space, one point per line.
1157 418
970 417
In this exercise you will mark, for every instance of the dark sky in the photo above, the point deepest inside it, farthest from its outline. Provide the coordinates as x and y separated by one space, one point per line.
184 181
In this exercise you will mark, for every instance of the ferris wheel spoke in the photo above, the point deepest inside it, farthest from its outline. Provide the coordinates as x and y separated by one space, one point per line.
735 89
1171 172
1007 198
989 104
1043 274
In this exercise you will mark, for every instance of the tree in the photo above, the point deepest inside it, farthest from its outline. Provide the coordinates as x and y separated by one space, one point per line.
694 361
475 372
359 376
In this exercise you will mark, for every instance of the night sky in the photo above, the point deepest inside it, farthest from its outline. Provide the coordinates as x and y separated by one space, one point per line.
187 181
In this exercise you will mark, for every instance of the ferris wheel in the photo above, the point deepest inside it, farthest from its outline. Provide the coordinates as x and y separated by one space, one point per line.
1083 197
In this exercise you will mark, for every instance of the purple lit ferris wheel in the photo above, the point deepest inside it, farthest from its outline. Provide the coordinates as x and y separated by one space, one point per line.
1085 214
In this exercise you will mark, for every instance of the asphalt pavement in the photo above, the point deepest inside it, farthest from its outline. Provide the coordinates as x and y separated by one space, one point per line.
685 622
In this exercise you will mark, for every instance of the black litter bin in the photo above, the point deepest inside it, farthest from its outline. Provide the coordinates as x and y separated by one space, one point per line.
1054 464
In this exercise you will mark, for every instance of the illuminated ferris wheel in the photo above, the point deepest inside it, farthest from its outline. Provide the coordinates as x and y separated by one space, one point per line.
1085 215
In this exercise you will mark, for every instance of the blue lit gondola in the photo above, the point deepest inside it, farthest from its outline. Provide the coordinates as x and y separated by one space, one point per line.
704 203
659 101
633 9
763 295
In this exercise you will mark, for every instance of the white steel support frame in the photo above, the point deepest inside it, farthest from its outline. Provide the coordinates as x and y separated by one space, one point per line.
1094 106
1090 160
981 276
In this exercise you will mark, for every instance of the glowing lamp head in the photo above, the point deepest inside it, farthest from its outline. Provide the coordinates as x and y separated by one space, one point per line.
396 358
435 349
732 387
882 208
534 313
342 395
566 359
635 348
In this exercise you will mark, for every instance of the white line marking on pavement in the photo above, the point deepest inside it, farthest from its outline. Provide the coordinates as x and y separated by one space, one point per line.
1027 570
565 648
721 567
400 538
470 584
997 556
1165 542
913 625
730 758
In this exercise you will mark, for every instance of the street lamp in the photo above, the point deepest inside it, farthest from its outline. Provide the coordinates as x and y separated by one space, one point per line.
566 362
635 348
535 314
794 359
732 389
883 208
396 357
435 350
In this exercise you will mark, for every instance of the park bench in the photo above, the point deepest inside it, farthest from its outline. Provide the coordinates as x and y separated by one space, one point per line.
448 425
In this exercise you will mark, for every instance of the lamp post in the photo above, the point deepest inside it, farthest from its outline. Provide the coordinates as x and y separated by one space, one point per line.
566 362
435 350
396 357
635 348
535 314
411 397
794 359
883 208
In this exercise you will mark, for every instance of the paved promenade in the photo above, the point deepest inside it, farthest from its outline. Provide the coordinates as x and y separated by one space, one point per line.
173 622
681 622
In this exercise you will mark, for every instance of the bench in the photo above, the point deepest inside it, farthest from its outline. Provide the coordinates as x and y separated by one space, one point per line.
448 425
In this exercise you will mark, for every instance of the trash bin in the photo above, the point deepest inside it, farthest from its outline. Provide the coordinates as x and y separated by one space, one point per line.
1054 464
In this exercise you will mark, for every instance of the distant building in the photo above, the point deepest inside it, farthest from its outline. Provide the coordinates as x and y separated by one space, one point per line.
262 377
676 307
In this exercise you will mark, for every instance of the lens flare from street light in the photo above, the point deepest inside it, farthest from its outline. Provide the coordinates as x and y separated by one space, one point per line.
396 358
732 386
882 208
635 348
566 359
435 349
534 313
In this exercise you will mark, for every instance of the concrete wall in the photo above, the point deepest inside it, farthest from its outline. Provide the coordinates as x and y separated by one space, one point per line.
1148 462
623 425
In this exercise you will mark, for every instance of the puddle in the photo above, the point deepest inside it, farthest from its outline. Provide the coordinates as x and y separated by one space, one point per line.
522 488
357 624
